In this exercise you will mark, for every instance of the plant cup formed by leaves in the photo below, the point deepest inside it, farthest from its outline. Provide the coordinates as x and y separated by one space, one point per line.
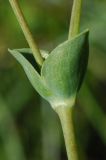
57 76
61 73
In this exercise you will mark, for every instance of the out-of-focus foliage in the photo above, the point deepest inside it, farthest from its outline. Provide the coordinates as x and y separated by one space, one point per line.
29 129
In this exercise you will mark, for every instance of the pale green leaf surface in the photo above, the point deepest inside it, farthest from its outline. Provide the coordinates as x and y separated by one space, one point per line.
31 73
64 69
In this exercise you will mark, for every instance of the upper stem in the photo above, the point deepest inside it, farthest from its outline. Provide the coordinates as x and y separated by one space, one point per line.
21 19
65 115
75 19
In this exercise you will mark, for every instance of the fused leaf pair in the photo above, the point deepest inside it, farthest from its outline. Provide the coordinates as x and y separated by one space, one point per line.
62 72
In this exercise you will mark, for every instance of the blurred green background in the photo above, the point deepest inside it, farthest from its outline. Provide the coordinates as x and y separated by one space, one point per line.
29 128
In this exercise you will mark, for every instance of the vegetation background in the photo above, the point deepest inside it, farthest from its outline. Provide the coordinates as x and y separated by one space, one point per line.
29 128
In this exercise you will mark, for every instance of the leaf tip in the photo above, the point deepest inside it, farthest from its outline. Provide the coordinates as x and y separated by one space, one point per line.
10 51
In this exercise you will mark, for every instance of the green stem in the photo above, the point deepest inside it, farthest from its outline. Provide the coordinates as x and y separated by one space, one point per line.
65 115
75 19
21 19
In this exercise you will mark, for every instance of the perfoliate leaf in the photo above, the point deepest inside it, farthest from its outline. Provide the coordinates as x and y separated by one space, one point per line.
30 71
62 71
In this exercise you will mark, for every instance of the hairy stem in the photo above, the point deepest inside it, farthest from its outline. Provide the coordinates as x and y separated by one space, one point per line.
21 19
75 19
65 115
